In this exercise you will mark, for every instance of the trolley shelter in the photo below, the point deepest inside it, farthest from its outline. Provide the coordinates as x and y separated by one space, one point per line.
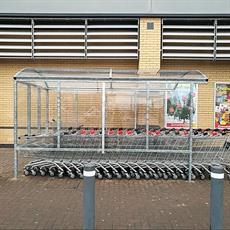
66 118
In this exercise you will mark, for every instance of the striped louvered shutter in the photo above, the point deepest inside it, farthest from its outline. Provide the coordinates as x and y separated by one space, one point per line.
15 38
223 39
188 39
69 38
59 38
112 38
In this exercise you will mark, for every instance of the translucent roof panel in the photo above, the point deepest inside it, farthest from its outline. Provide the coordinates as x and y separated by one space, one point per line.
91 79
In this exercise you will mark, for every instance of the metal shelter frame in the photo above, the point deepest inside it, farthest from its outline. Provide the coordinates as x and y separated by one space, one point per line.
61 80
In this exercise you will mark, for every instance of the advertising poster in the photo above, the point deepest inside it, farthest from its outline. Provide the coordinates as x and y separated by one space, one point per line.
222 105
177 111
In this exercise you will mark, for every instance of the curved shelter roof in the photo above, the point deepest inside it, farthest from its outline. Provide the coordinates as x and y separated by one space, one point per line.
71 79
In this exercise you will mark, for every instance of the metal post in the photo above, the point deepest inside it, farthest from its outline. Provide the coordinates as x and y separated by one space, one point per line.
190 132
103 118
86 37
29 110
32 38
47 111
135 109
89 197
58 114
76 108
147 116
39 109
15 128
216 196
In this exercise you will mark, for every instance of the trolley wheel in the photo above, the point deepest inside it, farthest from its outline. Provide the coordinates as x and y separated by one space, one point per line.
26 172
202 176
127 176
169 174
51 173
137 176
35 168
141 173
72 175
193 177
81 176
178 174
27 168
123 174
99 176
33 172
60 174
146 175
118 175
160 174
109 176
42 172
183 177
165 176
151 174
175 177
132 174
156 177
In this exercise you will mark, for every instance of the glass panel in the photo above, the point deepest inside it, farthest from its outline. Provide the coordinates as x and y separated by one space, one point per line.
81 119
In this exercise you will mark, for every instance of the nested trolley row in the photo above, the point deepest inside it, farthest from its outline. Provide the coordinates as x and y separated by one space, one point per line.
127 155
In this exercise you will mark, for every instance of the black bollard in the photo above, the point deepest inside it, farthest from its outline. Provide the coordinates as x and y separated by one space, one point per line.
216 197
89 197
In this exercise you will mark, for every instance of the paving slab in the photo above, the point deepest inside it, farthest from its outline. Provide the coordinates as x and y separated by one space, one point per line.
56 203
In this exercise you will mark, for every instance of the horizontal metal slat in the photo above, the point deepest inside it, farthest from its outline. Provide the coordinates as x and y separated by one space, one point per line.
15 33
223 41
59 33
223 34
223 27
112 33
223 48
59 47
59 54
187 41
113 40
187 27
112 54
187 55
59 26
113 47
186 34
15 26
14 40
112 26
221 55
16 54
15 47
58 40
187 48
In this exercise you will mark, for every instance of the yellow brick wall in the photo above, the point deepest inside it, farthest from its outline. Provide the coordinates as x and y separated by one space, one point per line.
217 71
8 68
149 61
150 45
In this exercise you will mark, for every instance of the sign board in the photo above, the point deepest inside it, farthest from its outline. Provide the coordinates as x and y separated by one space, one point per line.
177 106
222 105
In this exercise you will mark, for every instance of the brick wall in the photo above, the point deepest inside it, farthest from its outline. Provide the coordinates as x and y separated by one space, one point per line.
8 68
149 61
150 45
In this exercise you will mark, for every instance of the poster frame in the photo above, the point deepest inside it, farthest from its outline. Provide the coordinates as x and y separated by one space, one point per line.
214 101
